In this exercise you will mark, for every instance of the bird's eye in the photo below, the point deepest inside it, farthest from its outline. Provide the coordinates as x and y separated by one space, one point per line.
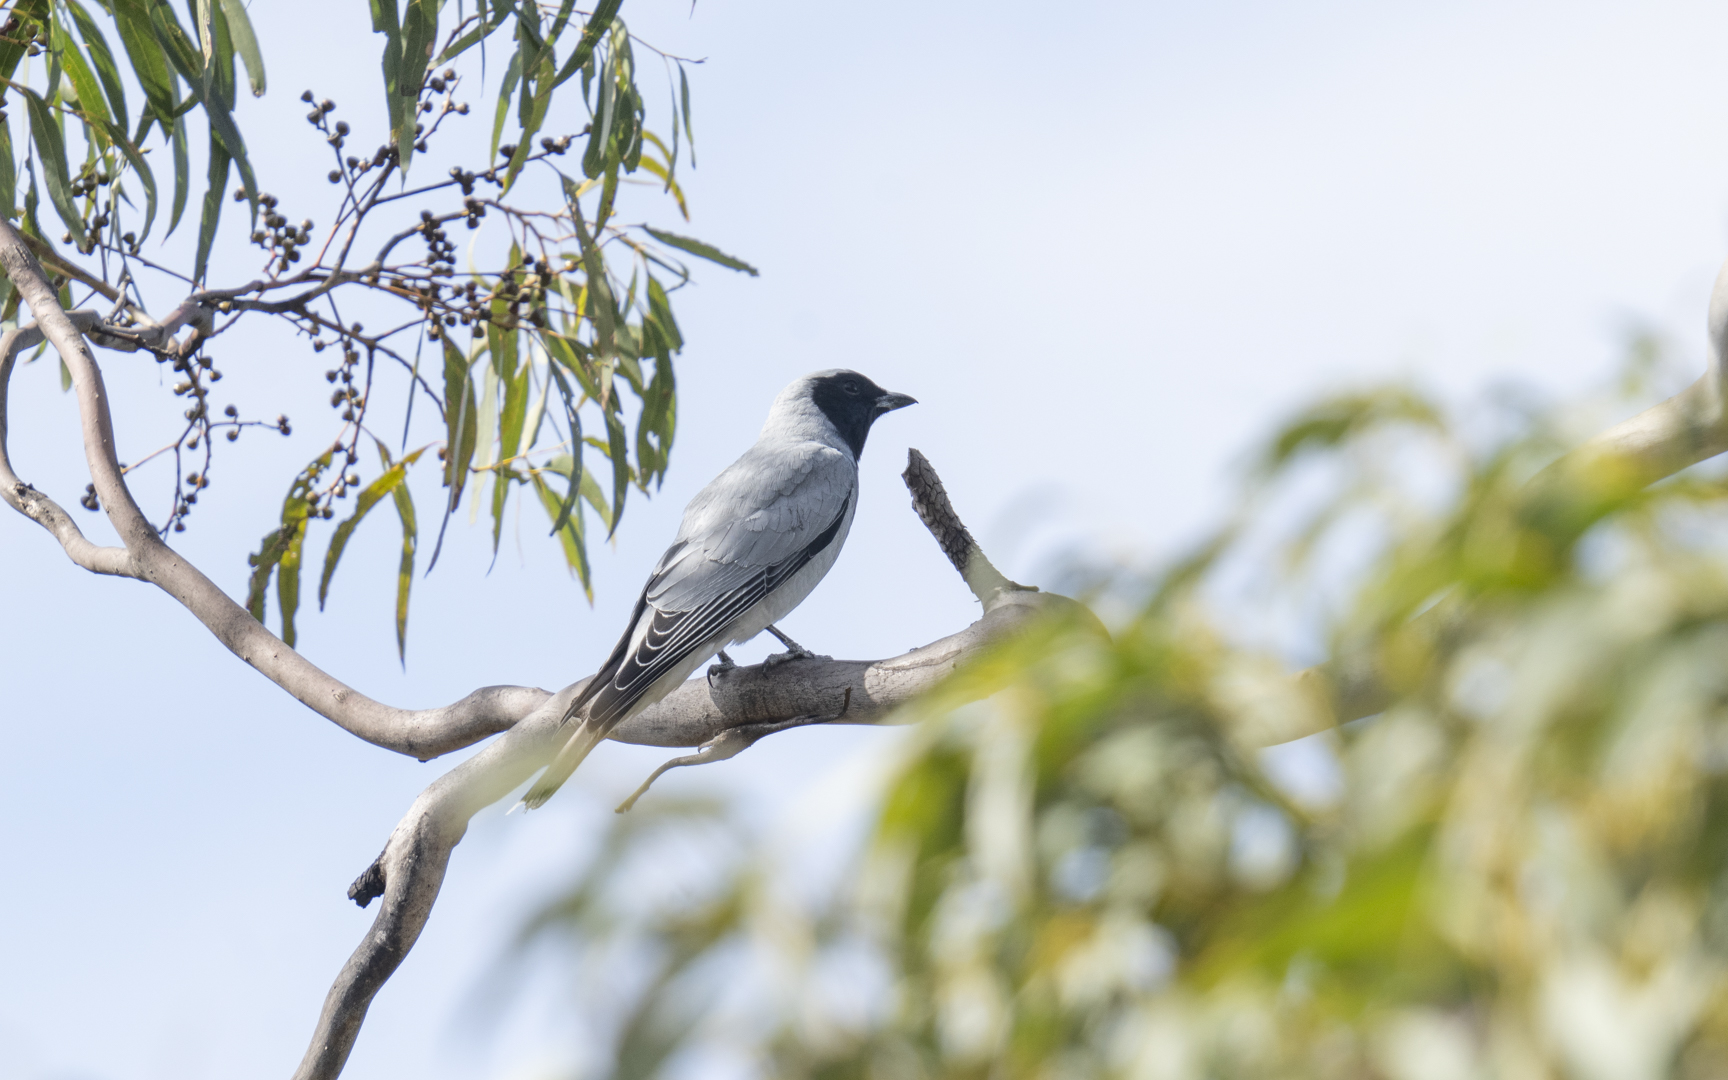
852 388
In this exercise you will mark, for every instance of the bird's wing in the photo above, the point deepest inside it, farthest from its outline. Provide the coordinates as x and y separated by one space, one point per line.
743 535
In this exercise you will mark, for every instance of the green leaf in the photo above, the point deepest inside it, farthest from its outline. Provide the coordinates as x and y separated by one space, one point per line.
573 420
461 420
30 14
701 250
598 23
594 157
617 450
369 496
213 199
182 173
684 95
149 61
512 73
569 536
8 173
600 306
475 36
65 376
102 58
90 95
281 549
136 159
418 36
405 568
51 152
461 414
263 563
245 43
510 421
288 582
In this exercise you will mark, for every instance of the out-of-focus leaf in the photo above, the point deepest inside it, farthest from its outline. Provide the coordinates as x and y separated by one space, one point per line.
51 152
1342 418
701 250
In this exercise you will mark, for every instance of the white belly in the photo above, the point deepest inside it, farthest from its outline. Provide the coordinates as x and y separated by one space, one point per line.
779 603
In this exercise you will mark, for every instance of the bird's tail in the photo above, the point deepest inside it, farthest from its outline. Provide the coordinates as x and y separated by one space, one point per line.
585 738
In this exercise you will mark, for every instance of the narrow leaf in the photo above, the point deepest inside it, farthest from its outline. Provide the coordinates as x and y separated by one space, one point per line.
245 43
213 200
701 250
102 59
51 152
598 23
369 496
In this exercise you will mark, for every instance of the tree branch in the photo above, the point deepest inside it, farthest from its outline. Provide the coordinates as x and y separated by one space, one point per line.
742 706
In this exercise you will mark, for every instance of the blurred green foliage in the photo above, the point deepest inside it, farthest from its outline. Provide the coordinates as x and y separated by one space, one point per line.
1083 866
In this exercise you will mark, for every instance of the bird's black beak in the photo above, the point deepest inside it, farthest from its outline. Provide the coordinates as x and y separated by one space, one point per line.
889 402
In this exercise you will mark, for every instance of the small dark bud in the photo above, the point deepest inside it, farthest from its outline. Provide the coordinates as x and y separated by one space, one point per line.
306 96
335 176
341 127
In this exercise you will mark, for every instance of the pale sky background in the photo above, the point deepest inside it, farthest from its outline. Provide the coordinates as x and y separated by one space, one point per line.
1106 245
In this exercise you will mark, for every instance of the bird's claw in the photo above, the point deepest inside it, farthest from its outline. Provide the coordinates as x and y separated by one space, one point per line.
715 670
794 651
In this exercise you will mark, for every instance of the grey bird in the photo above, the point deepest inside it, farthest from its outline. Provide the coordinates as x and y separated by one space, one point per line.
752 545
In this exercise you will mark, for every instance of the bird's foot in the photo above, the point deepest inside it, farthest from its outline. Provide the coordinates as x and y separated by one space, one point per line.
716 670
773 660
794 651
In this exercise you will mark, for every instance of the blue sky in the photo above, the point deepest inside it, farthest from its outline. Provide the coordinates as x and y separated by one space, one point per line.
1105 245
